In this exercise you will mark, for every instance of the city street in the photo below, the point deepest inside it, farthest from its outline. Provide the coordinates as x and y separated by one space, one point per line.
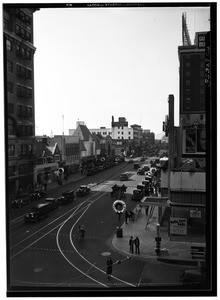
48 253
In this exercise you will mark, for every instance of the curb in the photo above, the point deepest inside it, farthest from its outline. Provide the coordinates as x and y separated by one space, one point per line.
177 261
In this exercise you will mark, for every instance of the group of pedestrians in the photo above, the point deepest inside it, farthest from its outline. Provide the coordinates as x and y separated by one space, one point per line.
134 242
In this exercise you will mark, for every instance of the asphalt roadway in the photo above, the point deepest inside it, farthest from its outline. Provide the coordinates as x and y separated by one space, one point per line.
50 255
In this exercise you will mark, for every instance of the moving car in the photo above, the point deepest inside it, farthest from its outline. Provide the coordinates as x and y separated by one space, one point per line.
137 195
52 203
83 190
124 176
38 212
136 165
66 197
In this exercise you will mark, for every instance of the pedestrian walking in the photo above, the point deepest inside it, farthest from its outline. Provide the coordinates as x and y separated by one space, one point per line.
137 245
45 186
131 244
82 233
127 215
78 234
109 264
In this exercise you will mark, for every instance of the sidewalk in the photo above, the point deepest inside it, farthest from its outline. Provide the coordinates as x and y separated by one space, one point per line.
175 252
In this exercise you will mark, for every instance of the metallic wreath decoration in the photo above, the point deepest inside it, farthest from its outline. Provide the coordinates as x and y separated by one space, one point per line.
119 206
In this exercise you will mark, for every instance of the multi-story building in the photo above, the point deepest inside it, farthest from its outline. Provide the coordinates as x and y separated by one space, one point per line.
186 180
19 96
102 131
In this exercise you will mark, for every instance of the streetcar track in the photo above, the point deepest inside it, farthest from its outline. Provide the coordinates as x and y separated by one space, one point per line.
87 261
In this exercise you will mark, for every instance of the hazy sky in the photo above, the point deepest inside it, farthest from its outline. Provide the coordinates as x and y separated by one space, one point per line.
95 63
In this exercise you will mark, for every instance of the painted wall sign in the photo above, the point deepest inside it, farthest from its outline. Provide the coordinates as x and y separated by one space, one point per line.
178 226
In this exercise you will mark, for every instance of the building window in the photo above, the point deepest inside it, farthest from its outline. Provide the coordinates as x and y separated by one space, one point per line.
29 111
118 138
6 24
118 132
129 132
118 127
188 65
11 129
9 66
11 170
122 132
8 45
202 91
10 108
187 100
122 138
187 74
129 137
11 150
10 87
187 91
187 82
122 127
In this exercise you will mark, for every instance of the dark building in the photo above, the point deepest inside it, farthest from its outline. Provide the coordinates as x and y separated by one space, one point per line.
19 96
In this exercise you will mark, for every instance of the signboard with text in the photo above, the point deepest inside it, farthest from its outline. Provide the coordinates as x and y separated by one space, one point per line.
178 226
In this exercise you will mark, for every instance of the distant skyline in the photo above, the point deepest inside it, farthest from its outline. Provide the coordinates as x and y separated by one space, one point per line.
95 63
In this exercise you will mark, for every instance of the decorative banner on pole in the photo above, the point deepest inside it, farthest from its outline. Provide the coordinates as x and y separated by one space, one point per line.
119 206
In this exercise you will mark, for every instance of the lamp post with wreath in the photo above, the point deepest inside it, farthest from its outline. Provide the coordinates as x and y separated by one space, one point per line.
119 207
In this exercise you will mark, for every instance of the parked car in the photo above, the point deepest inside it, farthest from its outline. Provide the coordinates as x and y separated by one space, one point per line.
124 176
37 194
83 190
21 200
193 277
38 212
142 158
137 195
150 178
66 197
91 171
140 171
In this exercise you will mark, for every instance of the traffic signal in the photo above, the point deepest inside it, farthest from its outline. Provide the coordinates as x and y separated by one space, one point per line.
158 244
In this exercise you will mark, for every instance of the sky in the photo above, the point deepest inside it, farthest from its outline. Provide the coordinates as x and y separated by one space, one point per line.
94 63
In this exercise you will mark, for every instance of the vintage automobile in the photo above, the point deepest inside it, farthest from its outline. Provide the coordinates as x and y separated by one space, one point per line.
52 203
21 200
141 187
38 212
140 171
66 197
37 194
146 168
136 165
83 190
149 178
124 176
137 195
118 191
193 277
130 161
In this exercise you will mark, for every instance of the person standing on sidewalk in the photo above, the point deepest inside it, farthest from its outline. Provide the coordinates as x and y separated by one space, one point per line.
137 245
126 217
131 244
